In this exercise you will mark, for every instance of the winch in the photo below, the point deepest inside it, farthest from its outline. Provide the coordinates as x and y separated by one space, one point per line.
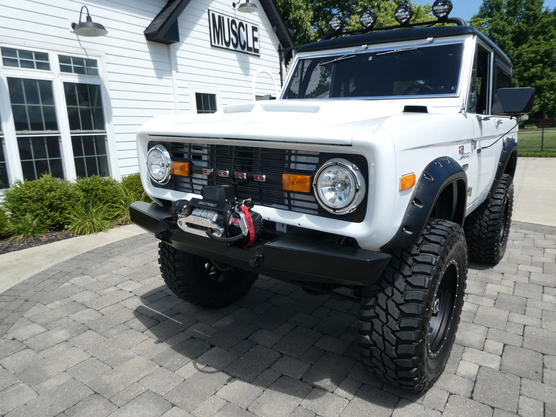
219 215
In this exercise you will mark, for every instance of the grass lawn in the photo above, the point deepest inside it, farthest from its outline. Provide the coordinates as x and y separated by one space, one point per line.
531 142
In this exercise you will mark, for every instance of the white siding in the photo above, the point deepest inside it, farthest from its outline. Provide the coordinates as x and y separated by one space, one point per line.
137 75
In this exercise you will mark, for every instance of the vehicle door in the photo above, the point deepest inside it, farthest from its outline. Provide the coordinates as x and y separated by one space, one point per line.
489 74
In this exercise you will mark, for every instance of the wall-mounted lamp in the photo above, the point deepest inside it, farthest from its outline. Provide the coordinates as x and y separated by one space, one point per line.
246 7
88 28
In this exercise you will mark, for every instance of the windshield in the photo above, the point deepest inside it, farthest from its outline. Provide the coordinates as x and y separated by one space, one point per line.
431 70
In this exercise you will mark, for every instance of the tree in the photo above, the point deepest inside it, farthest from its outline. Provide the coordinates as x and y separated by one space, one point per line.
309 18
526 31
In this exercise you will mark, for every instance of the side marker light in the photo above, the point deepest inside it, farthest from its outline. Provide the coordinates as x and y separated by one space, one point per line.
407 181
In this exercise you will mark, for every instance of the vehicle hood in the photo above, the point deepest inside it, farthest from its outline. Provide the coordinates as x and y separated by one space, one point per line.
319 121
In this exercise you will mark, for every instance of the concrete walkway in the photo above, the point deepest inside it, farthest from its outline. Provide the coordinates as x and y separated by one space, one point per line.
99 334
535 191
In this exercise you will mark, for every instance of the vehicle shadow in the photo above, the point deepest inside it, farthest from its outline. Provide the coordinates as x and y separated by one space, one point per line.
276 338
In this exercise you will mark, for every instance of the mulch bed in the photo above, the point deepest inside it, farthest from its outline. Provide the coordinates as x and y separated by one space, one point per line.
14 244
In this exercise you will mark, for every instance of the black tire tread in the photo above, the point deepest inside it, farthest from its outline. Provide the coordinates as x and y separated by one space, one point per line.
393 310
482 227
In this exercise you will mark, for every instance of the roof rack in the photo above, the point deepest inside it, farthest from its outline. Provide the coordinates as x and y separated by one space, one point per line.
441 9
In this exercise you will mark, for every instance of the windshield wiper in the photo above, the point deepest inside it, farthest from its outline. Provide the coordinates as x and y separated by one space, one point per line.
407 48
349 55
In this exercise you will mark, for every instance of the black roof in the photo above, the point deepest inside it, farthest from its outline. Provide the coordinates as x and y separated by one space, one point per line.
396 35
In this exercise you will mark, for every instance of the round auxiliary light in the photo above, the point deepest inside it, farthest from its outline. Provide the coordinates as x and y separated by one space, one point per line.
404 12
442 8
339 186
158 164
336 22
368 18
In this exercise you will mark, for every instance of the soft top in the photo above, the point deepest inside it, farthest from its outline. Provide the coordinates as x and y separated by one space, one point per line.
397 35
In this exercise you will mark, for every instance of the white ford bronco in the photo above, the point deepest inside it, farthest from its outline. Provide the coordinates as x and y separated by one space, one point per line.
385 164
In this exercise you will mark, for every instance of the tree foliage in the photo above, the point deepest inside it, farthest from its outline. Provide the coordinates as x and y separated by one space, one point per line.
526 31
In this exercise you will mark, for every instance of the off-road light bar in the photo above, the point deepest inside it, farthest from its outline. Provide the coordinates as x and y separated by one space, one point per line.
336 22
368 18
442 8
404 12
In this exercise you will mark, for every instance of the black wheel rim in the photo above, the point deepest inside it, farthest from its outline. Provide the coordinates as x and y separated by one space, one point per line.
442 307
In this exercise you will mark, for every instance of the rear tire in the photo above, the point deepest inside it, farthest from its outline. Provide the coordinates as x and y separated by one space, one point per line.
488 227
201 281
409 318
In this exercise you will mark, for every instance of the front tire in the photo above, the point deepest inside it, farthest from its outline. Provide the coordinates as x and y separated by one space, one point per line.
202 281
409 318
487 229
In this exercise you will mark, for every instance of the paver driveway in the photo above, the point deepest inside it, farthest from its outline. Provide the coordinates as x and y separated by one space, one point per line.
100 335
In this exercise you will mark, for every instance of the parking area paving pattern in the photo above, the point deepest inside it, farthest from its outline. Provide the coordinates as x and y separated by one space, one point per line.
101 335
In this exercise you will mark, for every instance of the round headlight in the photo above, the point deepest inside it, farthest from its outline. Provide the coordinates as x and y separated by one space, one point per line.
158 164
339 186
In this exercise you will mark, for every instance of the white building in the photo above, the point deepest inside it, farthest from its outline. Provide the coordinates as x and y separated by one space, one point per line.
71 104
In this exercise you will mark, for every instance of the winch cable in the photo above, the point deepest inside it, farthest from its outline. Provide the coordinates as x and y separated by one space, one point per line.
224 239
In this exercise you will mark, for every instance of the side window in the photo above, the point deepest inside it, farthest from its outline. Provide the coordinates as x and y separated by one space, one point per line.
502 79
479 96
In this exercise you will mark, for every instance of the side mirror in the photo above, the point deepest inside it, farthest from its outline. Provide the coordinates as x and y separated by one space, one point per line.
513 101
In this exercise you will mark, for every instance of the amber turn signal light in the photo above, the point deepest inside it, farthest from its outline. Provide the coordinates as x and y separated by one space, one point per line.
299 183
407 181
180 168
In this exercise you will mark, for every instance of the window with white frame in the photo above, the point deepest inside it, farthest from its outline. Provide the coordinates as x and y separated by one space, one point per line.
206 102
4 180
51 127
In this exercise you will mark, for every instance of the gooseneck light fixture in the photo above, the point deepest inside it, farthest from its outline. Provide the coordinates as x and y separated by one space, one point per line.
246 7
88 28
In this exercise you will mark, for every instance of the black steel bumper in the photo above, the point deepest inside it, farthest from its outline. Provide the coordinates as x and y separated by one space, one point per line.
284 257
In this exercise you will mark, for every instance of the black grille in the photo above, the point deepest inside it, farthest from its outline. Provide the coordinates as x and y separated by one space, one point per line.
259 170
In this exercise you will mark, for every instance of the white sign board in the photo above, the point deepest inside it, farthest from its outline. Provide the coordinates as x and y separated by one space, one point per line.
231 33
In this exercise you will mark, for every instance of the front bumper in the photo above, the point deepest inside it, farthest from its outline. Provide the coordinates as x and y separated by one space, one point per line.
285 257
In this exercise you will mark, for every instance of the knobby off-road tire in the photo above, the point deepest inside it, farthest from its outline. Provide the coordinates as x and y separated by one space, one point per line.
488 227
202 281
409 318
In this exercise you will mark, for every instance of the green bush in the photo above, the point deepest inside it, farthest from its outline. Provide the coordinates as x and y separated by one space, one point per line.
132 190
45 201
132 185
89 205
98 191
89 219
28 226
5 226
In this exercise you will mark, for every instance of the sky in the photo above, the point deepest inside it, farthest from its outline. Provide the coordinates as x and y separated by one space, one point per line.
466 9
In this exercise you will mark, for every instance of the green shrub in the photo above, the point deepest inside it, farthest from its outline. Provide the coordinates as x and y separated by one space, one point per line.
28 226
45 201
98 191
5 226
132 186
87 219
132 190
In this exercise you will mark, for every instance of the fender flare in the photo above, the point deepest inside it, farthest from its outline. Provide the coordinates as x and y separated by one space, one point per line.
436 177
507 163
